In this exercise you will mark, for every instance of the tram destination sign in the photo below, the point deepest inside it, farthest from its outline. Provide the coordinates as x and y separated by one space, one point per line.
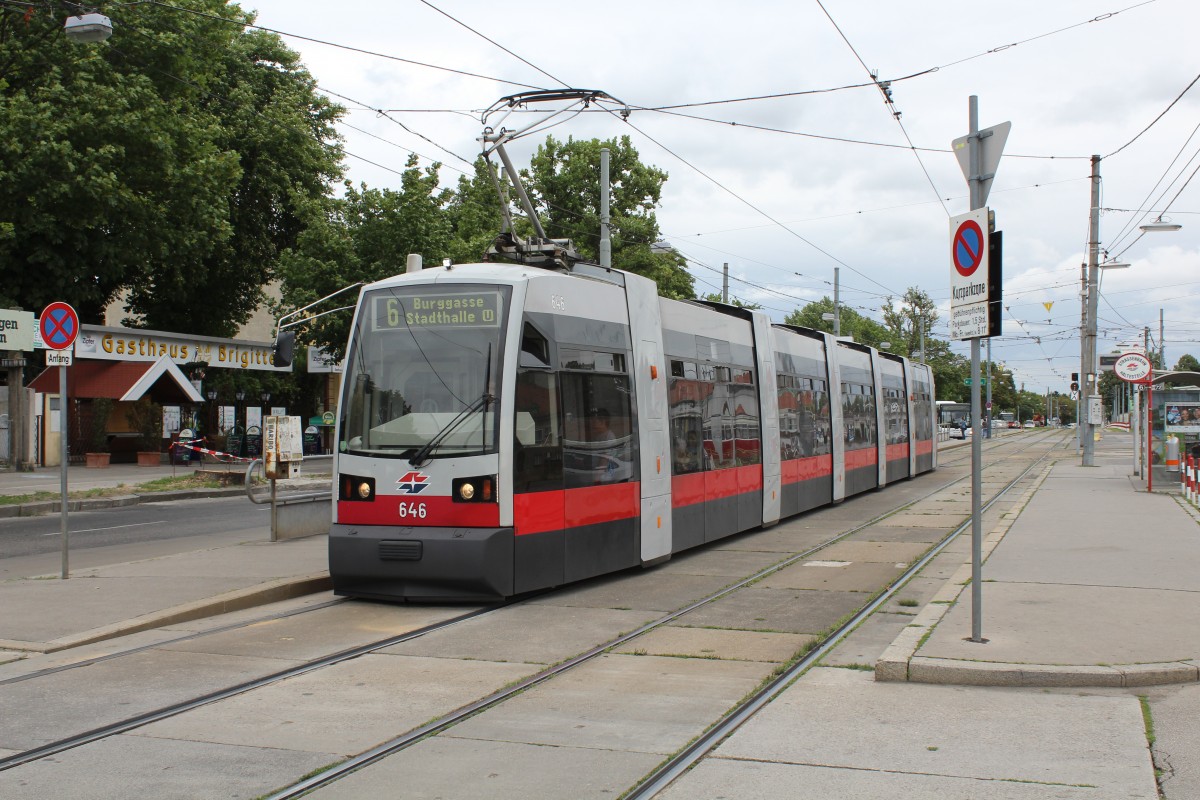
479 309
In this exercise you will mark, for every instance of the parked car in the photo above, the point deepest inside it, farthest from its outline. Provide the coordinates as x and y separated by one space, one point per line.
1014 424
1029 425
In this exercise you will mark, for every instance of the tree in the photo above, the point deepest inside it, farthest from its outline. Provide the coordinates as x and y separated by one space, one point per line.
563 182
1187 363
362 237
171 166
715 297
916 315
864 329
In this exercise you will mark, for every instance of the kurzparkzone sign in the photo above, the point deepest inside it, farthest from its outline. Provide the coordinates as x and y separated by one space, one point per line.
969 275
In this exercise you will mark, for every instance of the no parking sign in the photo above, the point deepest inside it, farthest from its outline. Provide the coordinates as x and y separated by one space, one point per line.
969 275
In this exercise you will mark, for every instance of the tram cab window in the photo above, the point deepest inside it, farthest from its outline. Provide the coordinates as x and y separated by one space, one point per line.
537 451
535 348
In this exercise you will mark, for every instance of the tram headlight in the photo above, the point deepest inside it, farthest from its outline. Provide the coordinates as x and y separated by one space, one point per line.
474 490
357 489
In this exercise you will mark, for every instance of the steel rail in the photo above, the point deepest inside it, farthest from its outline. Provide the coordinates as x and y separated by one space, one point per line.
708 741
166 712
452 719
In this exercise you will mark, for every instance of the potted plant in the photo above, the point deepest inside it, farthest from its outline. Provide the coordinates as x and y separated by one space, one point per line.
145 416
97 452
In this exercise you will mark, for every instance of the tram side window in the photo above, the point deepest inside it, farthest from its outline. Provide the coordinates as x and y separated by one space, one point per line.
858 415
718 430
791 417
685 400
598 441
744 397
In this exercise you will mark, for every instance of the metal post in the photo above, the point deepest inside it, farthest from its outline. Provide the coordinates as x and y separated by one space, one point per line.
725 283
62 451
605 236
988 431
1162 342
976 188
1150 434
1135 428
1090 382
837 305
922 340
1082 357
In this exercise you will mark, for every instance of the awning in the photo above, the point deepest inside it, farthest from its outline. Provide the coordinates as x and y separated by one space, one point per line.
122 380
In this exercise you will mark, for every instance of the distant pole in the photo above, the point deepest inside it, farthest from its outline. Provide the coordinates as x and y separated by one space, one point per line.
1162 342
1091 383
1080 395
988 431
976 189
605 236
922 340
725 283
837 305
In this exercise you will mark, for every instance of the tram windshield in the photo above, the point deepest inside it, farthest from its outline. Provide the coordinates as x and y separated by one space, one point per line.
423 372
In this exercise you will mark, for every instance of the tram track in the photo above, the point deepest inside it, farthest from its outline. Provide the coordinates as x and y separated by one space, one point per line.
682 761
760 698
448 721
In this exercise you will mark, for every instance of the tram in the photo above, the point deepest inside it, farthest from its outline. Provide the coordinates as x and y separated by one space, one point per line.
506 428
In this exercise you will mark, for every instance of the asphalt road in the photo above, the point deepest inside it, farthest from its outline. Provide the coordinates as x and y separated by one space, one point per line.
28 536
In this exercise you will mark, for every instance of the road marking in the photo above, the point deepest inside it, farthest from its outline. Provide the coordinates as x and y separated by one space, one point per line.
110 528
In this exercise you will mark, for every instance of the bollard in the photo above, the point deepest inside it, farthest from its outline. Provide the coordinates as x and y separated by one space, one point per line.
1185 479
1172 458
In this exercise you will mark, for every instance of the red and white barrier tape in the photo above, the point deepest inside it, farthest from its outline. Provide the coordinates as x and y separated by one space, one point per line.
217 454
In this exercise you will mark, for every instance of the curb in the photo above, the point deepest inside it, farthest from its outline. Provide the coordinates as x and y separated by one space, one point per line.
900 662
42 507
236 600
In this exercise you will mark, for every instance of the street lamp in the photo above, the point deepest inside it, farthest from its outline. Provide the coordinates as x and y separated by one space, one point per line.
88 28
212 409
1159 224
240 395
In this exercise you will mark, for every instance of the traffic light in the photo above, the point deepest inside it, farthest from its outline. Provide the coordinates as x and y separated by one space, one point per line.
1074 377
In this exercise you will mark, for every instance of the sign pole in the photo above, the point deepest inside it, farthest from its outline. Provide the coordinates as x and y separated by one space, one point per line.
976 191
62 451
59 327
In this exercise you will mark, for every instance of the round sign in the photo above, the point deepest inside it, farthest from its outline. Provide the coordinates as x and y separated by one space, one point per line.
968 248
58 325
1132 367
327 418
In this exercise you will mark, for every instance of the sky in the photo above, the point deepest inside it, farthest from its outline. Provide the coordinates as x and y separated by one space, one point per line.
786 189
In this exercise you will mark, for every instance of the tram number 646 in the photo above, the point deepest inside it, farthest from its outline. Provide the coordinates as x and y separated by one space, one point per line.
416 510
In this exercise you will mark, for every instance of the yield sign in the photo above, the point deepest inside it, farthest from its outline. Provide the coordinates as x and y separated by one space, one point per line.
58 325
991 146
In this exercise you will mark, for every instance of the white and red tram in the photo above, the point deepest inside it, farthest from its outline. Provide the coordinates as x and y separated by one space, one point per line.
507 428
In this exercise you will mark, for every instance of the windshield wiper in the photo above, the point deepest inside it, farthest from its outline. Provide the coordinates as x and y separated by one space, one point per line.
421 457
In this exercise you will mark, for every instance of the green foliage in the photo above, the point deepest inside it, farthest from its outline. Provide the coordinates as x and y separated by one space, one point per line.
101 412
168 164
715 297
146 417
1187 363
363 236
367 234
864 329
563 183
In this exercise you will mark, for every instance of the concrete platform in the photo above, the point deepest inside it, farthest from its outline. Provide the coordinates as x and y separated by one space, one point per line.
1089 583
